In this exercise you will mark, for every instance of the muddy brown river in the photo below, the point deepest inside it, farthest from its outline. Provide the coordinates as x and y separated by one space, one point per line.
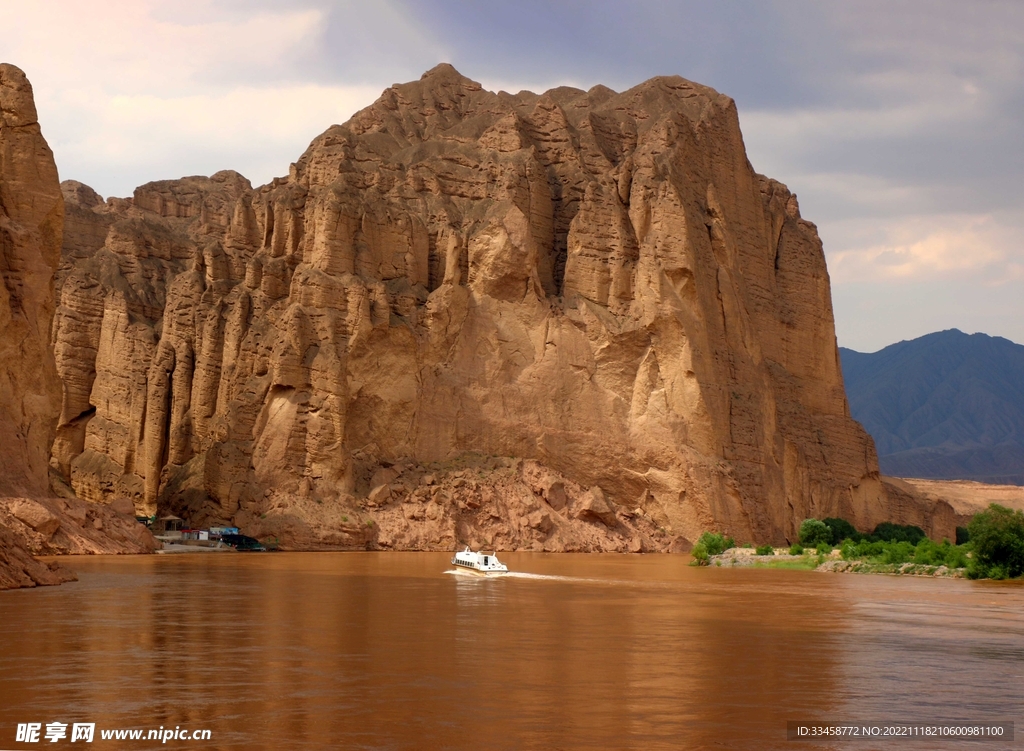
388 651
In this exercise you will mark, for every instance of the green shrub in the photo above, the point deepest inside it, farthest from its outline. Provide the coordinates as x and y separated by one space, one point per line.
796 549
863 549
928 553
925 553
700 554
889 532
934 554
765 550
996 572
840 530
870 549
715 543
962 536
813 531
957 558
997 539
823 548
897 552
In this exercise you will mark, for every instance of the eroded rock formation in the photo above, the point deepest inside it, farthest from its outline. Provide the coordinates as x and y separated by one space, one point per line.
33 522
31 222
63 526
593 284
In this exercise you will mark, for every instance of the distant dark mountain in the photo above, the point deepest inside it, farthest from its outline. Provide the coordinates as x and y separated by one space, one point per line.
946 406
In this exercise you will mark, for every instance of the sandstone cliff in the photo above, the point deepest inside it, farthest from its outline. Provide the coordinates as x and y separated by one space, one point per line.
62 526
589 286
31 221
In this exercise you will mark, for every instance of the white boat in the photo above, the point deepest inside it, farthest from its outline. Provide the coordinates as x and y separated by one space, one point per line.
481 564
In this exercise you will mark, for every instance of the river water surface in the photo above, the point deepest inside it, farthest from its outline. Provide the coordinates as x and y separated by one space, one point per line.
388 651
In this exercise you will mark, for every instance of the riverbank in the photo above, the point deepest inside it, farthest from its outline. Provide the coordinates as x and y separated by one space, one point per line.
32 527
828 562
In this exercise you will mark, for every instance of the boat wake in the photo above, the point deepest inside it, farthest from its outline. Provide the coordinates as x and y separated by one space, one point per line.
536 577
556 577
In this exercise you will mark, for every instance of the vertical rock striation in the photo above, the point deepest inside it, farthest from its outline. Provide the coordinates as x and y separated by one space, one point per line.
32 213
31 224
595 282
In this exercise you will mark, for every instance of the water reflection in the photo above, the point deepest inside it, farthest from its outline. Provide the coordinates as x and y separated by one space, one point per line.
372 650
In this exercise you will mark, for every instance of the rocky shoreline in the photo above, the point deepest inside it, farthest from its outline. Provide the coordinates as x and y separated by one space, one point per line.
903 569
32 527
831 563
502 503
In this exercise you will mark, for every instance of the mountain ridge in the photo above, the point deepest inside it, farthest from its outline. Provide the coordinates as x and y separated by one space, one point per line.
947 405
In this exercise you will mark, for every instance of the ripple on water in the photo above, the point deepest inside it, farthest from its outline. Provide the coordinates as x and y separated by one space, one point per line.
383 650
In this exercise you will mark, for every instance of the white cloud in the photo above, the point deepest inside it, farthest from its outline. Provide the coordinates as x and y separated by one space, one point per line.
132 91
896 164
133 47
256 131
791 128
858 193
980 248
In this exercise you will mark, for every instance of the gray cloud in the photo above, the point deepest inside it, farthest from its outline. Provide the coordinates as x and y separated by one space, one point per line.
899 124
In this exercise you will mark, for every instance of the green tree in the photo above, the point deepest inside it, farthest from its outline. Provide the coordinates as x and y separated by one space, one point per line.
715 543
813 531
997 537
840 530
889 532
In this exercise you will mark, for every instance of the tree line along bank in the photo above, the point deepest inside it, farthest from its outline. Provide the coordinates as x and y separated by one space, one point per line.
990 547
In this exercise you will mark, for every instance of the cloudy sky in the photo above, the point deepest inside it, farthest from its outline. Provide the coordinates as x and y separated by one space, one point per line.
900 125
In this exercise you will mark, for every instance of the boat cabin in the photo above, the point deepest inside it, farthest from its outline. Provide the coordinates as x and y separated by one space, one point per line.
479 562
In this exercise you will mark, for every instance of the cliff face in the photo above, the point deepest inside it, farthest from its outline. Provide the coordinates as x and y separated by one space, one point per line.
31 218
32 522
457 281
31 222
